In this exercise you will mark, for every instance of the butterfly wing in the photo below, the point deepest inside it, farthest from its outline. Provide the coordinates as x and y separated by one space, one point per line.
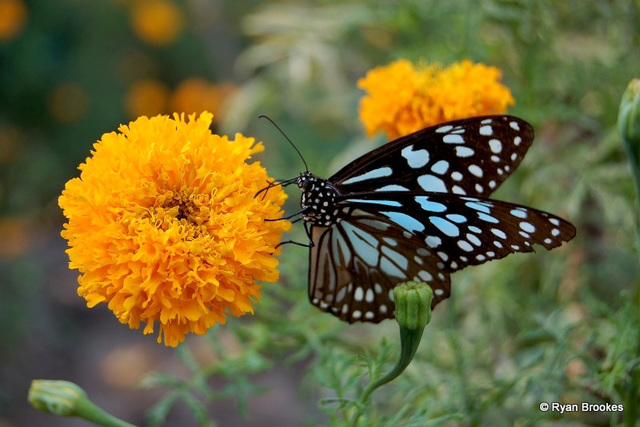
356 262
468 157
464 230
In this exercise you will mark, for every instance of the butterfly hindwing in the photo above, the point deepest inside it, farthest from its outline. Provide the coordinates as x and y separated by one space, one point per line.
470 156
466 230
356 262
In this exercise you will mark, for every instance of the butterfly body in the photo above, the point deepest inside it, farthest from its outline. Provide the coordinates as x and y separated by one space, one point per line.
318 200
417 209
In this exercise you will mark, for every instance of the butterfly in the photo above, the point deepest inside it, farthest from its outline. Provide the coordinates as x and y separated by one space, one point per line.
417 209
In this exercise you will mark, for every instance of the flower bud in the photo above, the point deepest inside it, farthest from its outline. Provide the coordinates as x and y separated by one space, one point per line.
413 305
57 397
69 400
629 116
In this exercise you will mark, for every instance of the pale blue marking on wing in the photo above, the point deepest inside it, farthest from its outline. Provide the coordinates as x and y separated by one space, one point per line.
430 206
432 183
445 226
415 159
464 152
478 207
340 249
488 218
376 173
440 167
453 139
392 187
456 218
396 257
390 269
376 202
364 244
405 221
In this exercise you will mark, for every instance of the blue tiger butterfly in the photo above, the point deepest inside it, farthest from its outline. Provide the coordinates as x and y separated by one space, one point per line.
417 209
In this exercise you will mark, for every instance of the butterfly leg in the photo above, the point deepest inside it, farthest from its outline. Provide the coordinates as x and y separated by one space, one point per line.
272 184
306 245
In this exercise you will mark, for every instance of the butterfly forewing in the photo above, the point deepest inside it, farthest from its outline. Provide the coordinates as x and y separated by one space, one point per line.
470 156
355 264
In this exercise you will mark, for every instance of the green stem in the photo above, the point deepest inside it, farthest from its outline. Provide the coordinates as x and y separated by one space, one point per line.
631 397
91 412
411 340
413 313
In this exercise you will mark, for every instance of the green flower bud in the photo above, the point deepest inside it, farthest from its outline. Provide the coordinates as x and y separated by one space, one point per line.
69 400
629 116
413 305
57 397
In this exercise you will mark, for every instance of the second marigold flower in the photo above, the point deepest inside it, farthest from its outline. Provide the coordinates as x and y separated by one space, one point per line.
403 98
164 226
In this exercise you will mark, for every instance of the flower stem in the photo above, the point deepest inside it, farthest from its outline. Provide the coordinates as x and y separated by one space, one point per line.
413 313
629 129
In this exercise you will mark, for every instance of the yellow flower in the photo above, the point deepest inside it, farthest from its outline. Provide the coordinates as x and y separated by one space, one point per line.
403 98
163 225
158 22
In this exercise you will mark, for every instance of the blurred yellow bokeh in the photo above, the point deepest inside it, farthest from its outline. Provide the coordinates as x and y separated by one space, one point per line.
68 102
13 17
147 98
158 22
196 95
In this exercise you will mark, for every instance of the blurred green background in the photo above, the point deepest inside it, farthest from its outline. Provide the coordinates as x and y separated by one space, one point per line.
558 326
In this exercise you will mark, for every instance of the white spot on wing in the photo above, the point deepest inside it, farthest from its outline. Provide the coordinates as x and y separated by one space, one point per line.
453 139
519 213
527 226
433 241
475 170
465 246
440 167
495 145
486 130
464 151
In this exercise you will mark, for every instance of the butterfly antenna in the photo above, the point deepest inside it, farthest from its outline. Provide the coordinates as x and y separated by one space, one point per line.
262 116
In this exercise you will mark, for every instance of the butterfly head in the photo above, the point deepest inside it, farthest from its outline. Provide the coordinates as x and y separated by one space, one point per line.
318 200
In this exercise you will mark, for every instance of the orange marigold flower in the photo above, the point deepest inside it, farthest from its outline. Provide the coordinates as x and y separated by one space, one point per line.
403 98
164 226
